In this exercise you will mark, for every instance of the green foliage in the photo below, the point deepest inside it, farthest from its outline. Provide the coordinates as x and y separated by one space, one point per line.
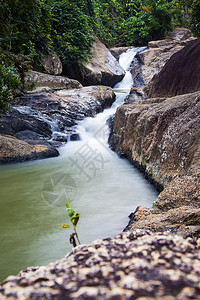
8 82
74 218
109 16
147 20
35 27
72 37
21 26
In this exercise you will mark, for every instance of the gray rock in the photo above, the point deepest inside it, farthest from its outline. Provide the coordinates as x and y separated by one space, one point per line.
102 68
14 150
35 81
24 123
180 75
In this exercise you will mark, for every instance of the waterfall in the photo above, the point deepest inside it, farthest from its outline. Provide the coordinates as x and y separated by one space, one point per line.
95 129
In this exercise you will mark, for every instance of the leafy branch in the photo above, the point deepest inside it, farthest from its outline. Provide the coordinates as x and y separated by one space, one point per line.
74 218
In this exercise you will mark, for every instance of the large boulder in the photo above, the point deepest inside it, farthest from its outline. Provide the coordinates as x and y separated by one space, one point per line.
135 265
180 75
159 52
35 81
102 68
162 138
13 150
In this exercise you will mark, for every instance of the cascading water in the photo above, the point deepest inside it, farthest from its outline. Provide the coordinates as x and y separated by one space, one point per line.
90 128
101 186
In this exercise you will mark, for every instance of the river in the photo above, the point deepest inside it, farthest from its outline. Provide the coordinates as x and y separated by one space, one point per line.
104 188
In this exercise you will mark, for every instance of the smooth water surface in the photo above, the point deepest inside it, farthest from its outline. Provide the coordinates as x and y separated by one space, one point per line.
104 188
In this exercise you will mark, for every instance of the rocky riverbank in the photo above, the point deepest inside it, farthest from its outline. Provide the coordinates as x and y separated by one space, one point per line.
47 118
51 104
160 136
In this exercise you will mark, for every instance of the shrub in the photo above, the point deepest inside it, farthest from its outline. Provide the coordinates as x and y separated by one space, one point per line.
8 83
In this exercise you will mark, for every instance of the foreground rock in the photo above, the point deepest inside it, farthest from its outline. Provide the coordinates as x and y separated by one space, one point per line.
35 81
138 265
13 150
48 117
102 68
180 75
161 137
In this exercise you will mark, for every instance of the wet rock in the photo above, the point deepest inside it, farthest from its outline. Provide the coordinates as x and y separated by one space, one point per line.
27 135
160 51
117 51
134 265
75 137
24 123
102 69
13 150
48 117
59 137
180 75
161 137
35 81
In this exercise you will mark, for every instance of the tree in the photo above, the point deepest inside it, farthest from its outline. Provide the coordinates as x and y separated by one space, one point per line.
146 20
72 35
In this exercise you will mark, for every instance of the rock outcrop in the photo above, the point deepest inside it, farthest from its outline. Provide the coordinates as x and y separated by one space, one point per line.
13 150
137 265
162 138
160 51
102 68
50 64
35 81
180 75
47 117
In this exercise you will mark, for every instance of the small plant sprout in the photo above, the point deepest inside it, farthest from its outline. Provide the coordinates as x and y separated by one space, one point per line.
74 218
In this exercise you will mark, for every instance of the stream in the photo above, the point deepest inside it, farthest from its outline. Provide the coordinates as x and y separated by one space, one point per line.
104 188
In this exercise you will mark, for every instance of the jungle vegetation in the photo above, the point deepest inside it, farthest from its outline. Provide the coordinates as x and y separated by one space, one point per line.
32 28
